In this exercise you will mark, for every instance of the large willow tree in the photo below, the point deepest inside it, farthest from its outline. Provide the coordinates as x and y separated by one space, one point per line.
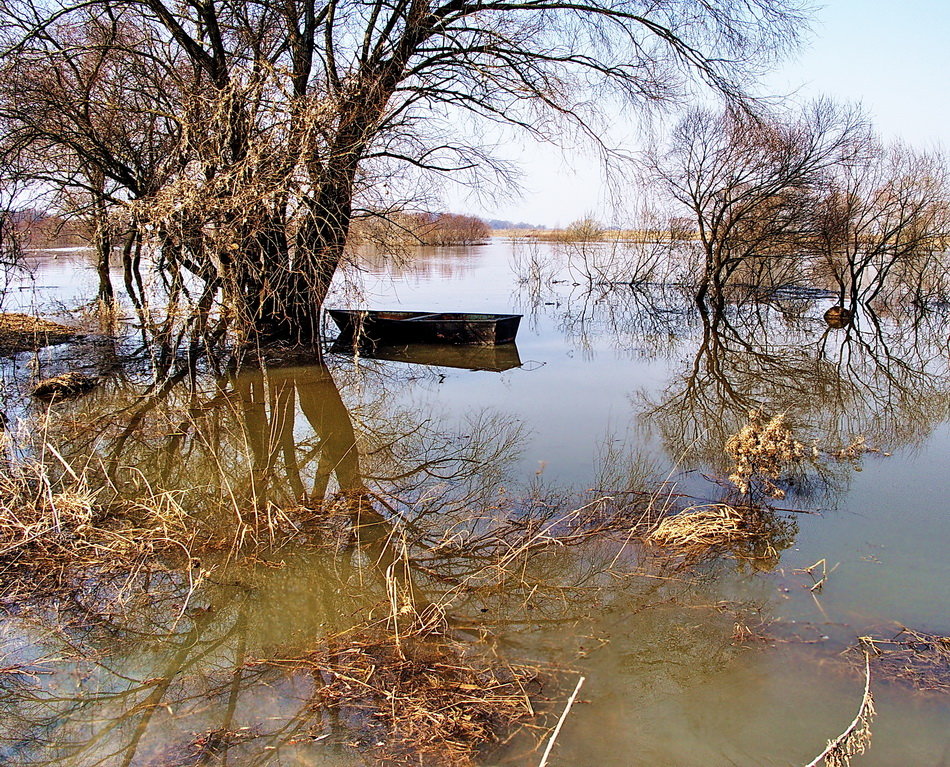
237 139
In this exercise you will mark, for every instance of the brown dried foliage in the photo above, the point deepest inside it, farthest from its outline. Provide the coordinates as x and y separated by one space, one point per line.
72 384
52 528
22 332
698 532
763 449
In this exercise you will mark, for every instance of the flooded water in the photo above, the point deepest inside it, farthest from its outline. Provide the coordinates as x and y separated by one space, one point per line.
736 661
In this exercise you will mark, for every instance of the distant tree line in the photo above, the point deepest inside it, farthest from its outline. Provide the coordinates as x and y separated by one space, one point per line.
447 229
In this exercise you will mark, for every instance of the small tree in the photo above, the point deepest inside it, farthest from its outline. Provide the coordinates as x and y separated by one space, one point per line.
87 115
881 225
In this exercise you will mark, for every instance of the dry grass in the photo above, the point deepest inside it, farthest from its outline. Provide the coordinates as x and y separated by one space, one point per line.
66 385
703 531
22 332
422 699
702 527
53 527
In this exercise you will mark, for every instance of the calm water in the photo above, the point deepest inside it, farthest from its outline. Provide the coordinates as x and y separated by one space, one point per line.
613 387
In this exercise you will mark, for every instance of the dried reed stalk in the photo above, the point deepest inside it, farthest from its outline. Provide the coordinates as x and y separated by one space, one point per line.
421 700
917 658
857 736
560 722
700 528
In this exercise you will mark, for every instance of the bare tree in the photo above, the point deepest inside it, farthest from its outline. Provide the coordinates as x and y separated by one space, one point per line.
881 226
286 118
749 182
86 116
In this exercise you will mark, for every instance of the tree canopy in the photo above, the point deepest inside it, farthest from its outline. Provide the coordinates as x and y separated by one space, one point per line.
237 139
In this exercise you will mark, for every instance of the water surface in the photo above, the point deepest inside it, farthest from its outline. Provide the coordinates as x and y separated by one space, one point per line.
617 389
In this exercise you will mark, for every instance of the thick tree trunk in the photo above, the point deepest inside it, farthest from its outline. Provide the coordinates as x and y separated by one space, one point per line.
286 301
293 297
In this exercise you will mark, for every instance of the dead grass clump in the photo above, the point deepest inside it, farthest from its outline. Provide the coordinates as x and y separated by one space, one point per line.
72 384
702 526
22 332
700 530
911 657
763 449
421 700
52 528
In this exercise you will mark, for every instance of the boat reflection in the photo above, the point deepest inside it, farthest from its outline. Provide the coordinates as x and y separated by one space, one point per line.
491 358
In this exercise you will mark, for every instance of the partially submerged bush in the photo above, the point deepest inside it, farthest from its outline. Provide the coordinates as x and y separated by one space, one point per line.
586 229
63 386
754 535
763 451
766 452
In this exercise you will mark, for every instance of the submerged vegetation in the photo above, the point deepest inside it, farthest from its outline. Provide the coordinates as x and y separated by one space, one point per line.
23 332
229 535
423 570
421 698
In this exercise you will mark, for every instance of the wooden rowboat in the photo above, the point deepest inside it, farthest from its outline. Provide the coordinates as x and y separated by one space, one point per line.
373 327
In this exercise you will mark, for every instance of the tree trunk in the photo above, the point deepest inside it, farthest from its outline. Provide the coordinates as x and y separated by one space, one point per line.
103 259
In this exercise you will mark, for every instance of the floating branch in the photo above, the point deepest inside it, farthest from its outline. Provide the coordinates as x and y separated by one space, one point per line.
857 737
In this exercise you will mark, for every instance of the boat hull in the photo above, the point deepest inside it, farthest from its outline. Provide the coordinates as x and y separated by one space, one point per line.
456 328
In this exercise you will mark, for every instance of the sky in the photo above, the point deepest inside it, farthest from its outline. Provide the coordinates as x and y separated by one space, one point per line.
891 57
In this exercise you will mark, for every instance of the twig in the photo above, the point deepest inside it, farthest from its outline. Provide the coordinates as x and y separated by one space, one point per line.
557 729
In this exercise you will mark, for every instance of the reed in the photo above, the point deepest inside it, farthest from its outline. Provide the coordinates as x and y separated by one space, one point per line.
701 531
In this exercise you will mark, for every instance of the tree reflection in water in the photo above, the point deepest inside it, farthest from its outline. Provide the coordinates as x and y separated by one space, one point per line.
328 502
885 380
883 377
312 516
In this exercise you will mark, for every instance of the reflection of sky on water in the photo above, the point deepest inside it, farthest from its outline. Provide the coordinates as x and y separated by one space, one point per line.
54 280
885 529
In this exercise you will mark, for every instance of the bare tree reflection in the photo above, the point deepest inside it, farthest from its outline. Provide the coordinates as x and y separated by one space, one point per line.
340 507
884 379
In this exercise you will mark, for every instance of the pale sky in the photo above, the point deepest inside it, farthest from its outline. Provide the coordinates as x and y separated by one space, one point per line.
892 57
